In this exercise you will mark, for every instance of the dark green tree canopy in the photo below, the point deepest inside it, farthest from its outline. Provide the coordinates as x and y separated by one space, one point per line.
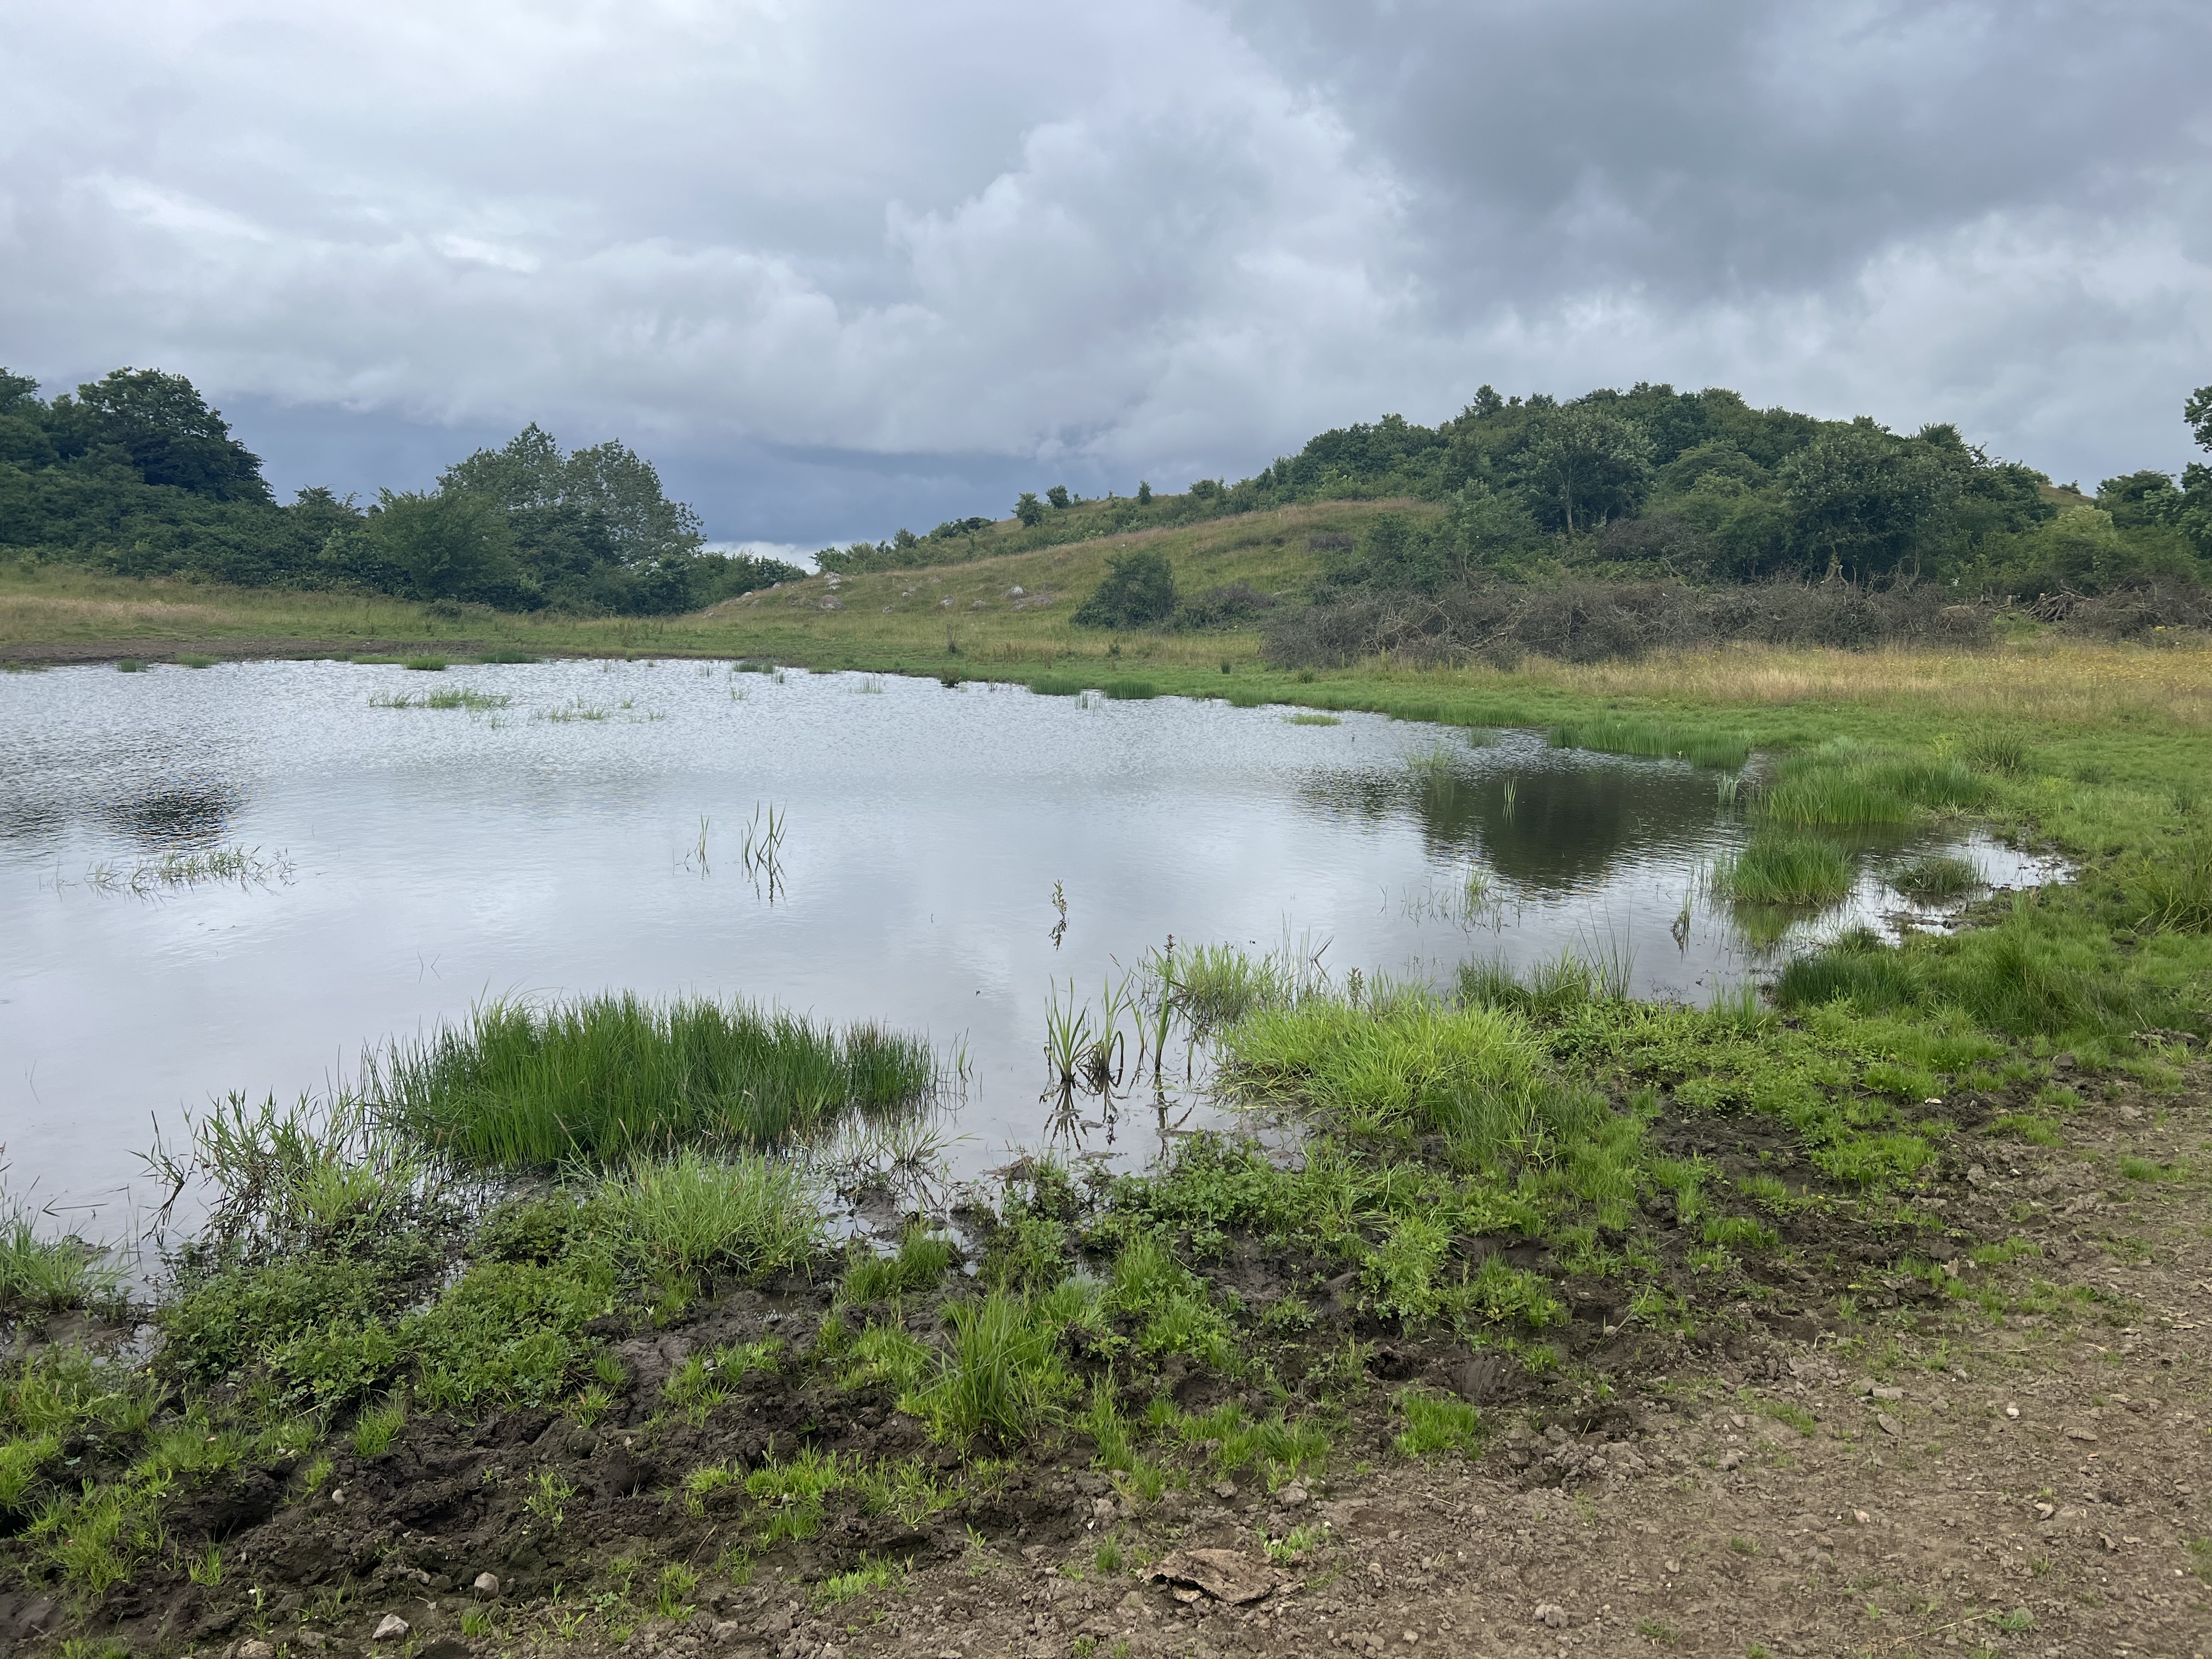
160 427
1138 592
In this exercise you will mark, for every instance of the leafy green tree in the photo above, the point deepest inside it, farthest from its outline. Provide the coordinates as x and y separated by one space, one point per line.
1857 497
1138 592
1028 509
161 427
447 544
1584 466
1058 496
1144 493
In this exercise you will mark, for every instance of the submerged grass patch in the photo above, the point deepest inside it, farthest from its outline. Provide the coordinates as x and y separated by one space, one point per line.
1937 879
1057 685
467 697
601 1079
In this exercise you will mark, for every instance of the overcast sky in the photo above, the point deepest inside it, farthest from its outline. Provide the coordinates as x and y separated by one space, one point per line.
844 266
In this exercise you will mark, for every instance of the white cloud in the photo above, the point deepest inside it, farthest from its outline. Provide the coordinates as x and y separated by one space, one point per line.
1157 239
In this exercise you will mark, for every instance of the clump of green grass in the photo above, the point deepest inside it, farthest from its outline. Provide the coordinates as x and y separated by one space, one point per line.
920 1264
863 1580
191 659
1779 868
1551 986
466 697
375 1428
1311 719
1938 879
1001 1378
1056 685
424 665
1130 690
524 1087
130 665
1994 750
47 1275
1846 784
1218 985
1438 1422
508 656
1625 735
750 1213
2172 893
1411 1062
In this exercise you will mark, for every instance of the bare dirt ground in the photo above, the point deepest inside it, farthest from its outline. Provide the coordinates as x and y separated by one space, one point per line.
2031 1480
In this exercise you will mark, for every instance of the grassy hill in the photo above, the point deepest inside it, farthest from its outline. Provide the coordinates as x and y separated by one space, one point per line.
1015 607
889 620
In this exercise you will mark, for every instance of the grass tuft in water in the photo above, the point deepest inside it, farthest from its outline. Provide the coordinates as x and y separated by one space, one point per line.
47 1275
424 665
509 657
1311 719
1131 690
1621 735
1938 879
1781 867
1056 685
130 665
467 697
608 1076
1846 784
192 661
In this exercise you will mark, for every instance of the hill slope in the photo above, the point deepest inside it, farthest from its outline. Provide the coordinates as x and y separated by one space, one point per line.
1018 607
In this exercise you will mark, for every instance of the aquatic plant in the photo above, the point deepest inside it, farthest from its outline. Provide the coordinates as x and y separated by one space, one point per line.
1780 866
1311 719
1846 785
1130 690
1937 879
1569 980
130 665
1616 734
245 865
509 656
1056 685
606 1078
424 665
44 1275
466 697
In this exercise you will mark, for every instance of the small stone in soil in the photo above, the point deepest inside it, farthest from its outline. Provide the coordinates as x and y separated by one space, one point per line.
487 1585
390 1630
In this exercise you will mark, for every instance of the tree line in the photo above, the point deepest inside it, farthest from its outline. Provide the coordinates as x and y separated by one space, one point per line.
135 475
1696 486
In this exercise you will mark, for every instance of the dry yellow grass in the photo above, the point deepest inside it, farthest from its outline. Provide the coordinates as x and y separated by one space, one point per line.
2040 680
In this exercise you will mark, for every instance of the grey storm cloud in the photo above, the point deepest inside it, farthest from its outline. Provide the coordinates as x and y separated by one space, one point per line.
848 264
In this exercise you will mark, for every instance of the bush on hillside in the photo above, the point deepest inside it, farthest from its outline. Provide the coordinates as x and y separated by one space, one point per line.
1138 592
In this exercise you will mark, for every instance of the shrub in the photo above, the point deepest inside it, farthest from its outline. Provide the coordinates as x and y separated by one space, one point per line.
1138 592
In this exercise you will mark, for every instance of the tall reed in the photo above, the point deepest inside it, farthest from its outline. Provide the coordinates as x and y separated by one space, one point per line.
610 1077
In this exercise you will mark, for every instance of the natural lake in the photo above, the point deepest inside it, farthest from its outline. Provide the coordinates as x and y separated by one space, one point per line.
388 866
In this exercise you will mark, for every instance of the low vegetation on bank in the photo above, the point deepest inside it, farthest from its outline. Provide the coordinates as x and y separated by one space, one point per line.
561 1276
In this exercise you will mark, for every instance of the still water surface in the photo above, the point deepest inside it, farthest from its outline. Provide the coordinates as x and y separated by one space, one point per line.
421 859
